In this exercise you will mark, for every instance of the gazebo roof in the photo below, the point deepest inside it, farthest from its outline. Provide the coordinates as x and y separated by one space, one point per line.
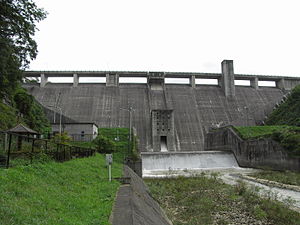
21 129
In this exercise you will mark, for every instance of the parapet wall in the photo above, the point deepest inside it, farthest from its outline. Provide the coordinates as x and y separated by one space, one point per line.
263 152
225 79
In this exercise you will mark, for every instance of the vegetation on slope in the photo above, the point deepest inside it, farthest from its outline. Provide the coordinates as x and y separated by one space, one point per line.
253 132
23 108
113 140
287 136
74 192
203 200
284 177
18 26
288 112
8 116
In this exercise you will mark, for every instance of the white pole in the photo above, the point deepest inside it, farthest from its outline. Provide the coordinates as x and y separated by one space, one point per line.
60 120
109 172
130 125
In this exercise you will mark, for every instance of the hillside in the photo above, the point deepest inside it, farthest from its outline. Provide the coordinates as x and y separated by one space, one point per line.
288 113
23 108
74 192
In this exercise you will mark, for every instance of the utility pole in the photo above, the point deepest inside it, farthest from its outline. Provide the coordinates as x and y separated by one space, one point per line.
60 110
130 110
130 128
57 98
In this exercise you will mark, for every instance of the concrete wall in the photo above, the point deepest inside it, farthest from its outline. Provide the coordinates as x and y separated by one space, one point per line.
251 153
137 207
195 110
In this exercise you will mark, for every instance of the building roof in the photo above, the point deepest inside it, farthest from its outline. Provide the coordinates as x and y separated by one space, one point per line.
21 129
76 123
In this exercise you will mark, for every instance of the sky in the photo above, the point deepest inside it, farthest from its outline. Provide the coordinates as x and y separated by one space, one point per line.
261 36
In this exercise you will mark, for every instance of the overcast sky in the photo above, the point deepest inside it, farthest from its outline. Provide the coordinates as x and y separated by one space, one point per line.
261 36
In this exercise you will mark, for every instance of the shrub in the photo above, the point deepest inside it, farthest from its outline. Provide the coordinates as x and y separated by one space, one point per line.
62 138
104 144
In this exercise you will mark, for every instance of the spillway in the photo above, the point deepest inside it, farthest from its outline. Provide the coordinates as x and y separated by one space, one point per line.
166 162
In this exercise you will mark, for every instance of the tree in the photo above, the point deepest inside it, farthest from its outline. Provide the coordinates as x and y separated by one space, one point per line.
103 144
24 101
18 20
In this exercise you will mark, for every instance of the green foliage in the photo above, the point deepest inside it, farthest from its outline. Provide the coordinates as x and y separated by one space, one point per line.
8 116
23 109
17 28
104 144
288 113
122 146
62 138
287 136
253 132
37 120
74 192
285 177
289 139
24 101
83 144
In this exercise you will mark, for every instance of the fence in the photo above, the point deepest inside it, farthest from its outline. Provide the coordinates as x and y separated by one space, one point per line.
19 150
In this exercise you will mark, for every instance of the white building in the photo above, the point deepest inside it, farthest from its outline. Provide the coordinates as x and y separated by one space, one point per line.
78 131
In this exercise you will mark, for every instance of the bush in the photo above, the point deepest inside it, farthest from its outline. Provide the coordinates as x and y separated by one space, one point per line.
104 144
62 138
289 139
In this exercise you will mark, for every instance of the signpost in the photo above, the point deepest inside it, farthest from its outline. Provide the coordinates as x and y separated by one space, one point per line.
109 160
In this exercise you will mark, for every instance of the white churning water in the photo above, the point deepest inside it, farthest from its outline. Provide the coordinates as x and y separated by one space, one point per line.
153 162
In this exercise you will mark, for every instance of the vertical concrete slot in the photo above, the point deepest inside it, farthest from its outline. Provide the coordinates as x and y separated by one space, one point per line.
163 144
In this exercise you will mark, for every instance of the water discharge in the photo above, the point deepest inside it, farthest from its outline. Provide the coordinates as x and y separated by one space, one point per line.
154 163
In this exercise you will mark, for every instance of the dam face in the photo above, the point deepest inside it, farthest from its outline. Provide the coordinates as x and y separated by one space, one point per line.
167 117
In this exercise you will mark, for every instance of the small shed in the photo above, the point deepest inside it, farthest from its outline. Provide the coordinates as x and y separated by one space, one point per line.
21 129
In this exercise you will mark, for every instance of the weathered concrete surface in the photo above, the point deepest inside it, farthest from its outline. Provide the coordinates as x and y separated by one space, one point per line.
195 109
164 163
135 206
263 152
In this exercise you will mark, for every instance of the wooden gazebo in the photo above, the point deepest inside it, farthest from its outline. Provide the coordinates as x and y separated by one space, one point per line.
21 129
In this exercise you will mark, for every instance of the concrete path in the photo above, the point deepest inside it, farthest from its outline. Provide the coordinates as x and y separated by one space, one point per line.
122 214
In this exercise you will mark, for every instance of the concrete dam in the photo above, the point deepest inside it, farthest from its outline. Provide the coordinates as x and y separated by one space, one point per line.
167 117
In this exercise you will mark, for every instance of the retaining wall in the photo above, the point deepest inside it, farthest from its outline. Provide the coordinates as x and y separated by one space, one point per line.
263 152
135 206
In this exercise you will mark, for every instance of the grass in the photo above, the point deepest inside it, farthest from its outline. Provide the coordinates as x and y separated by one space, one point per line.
82 144
287 136
118 135
203 200
288 112
284 177
74 192
253 132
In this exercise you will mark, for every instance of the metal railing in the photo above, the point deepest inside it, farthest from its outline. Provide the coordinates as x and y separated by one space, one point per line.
23 150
